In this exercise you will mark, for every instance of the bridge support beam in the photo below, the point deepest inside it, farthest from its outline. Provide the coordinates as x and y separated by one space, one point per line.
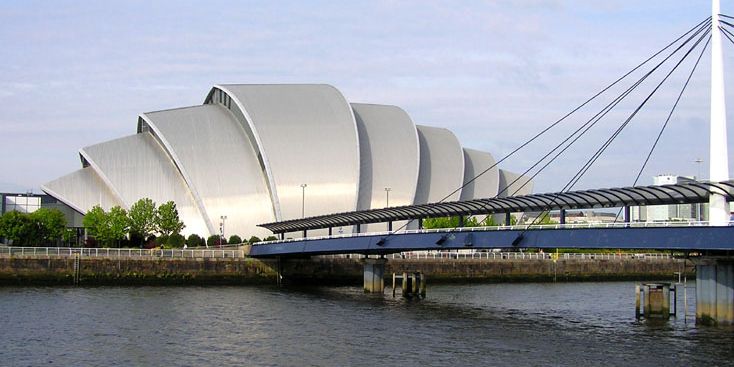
562 216
715 291
374 275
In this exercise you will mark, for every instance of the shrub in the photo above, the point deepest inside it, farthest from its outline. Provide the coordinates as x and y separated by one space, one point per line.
271 238
254 239
213 240
234 240
91 242
137 240
194 241
151 242
176 240
161 240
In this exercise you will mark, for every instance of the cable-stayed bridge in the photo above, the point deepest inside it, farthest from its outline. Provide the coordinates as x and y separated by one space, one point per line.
715 238
687 236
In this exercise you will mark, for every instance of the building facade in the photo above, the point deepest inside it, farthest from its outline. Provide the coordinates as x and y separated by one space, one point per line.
254 154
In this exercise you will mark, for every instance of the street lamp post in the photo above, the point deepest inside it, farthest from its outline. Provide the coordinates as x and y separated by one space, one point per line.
387 204
303 200
698 162
221 230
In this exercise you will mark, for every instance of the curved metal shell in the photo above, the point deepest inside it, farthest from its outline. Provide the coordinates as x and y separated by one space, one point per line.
441 166
389 156
137 167
82 190
220 166
305 135
513 184
484 186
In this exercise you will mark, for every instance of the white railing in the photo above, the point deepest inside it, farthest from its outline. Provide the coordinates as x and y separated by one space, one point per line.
121 252
417 255
238 253
523 227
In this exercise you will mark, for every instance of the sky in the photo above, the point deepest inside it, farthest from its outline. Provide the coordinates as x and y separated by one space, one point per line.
77 73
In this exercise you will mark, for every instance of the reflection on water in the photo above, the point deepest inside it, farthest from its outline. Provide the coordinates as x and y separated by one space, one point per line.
486 324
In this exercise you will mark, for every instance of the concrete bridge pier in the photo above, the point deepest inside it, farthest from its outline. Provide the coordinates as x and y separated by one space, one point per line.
715 291
374 275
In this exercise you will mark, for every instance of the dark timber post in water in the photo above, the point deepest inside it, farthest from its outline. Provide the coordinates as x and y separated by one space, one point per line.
413 284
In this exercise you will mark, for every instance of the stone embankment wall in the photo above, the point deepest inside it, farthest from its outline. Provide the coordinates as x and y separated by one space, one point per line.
495 270
143 271
24 270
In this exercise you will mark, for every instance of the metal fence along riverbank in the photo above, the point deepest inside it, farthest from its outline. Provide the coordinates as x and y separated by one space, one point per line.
233 252
240 252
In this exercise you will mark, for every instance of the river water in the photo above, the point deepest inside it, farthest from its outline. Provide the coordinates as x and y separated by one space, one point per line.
563 324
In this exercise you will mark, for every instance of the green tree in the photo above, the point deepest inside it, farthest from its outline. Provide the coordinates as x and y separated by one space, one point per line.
253 239
142 217
271 238
176 240
16 227
194 240
95 221
234 239
167 221
544 218
49 225
215 240
449 222
107 227
488 221
118 225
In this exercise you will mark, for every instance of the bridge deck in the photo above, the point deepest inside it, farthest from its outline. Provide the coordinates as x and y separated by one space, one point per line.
687 238
685 193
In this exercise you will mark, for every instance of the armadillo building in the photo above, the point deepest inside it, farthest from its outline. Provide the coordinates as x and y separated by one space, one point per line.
255 154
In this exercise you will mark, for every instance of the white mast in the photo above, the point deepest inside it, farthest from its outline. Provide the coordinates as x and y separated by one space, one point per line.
718 160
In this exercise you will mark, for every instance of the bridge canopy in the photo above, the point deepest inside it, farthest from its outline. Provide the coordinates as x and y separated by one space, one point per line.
683 193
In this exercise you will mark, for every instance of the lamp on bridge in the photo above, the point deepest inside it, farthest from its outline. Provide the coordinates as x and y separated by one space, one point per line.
441 240
303 200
